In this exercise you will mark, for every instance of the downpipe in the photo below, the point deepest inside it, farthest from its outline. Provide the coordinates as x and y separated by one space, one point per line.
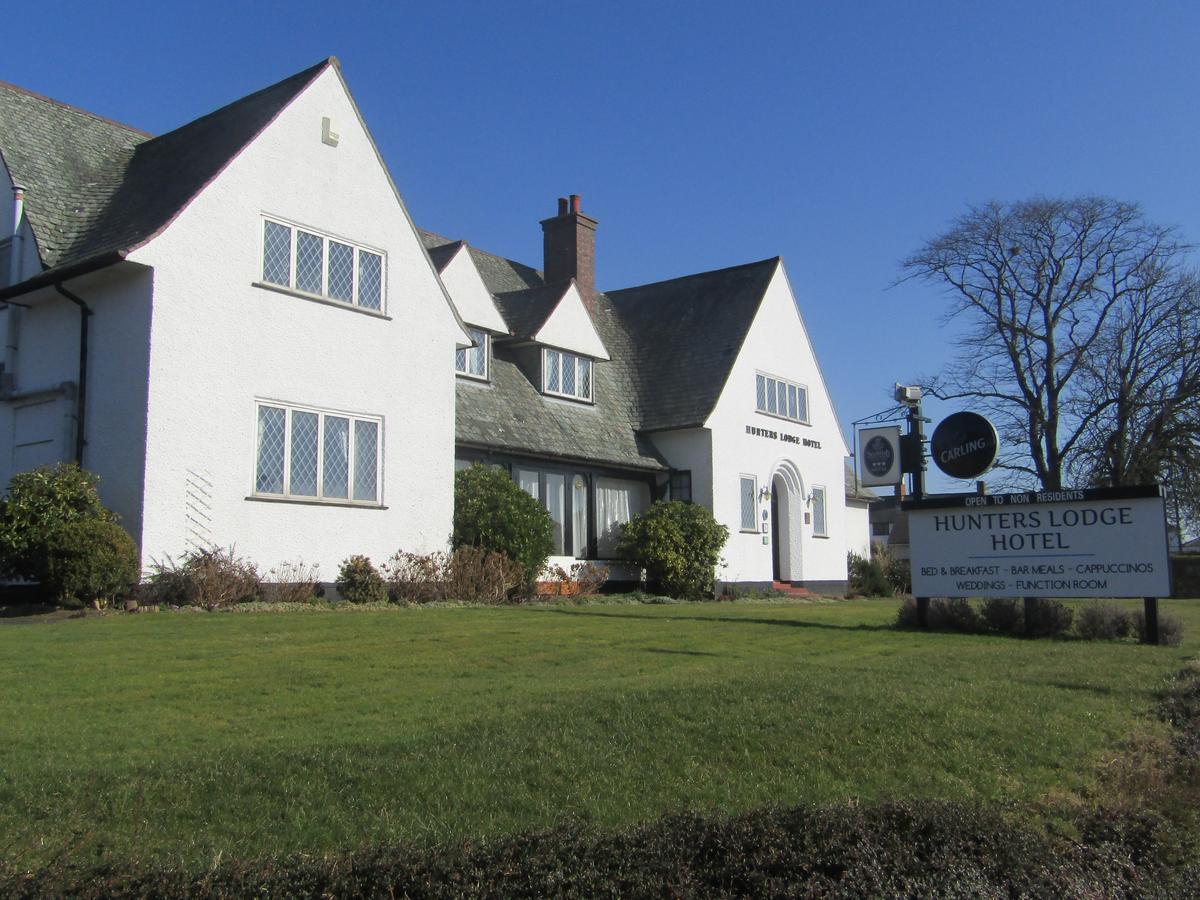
85 313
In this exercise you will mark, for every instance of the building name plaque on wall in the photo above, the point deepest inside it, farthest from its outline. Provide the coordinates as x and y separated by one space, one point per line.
782 436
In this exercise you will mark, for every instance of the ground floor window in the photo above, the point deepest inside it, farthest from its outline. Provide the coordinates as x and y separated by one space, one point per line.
560 495
313 454
820 525
681 485
748 490
617 501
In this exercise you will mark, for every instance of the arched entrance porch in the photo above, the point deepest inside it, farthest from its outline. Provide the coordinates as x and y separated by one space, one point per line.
787 517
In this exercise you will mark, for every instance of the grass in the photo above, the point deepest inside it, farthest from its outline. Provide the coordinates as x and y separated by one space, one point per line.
184 736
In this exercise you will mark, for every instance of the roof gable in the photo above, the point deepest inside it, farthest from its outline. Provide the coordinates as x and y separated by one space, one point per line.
95 187
569 327
463 282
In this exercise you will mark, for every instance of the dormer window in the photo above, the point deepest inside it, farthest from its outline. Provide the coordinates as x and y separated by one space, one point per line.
566 375
473 361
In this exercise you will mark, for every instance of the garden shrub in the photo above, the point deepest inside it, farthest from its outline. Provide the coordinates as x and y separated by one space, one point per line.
866 577
212 579
38 503
295 582
1047 618
898 572
493 513
954 614
906 614
468 575
1003 614
589 577
415 577
678 544
91 561
1103 622
1170 628
359 581
904 848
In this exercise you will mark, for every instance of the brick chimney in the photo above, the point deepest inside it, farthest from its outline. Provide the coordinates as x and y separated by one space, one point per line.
569 247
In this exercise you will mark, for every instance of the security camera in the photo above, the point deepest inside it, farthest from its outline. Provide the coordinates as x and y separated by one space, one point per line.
908 393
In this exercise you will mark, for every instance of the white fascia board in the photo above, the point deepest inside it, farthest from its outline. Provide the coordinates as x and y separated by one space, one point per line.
470 295
570 328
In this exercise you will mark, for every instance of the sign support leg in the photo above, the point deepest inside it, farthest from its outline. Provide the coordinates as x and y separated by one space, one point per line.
1151 620
1031 609
923 612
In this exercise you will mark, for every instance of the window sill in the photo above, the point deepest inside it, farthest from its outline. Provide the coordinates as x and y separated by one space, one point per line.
466 376
771 415
316 501
748 531
317 298
821 537
568 398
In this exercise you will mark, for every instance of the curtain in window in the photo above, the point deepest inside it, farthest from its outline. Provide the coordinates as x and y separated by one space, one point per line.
556 504
579 516
528 480
617 502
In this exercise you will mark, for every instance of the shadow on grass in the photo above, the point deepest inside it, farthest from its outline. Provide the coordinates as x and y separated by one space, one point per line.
680 652
736 620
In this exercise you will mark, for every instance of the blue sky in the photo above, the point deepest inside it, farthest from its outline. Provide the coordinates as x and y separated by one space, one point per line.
701 135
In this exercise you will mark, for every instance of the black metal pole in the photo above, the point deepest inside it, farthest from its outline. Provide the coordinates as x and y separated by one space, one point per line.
1151 604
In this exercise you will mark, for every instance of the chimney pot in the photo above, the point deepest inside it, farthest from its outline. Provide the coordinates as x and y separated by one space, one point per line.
562 206
574 203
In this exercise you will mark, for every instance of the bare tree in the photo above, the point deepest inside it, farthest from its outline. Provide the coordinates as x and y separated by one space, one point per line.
1083 340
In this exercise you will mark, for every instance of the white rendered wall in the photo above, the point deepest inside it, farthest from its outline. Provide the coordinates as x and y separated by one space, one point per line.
118 357
470 295
219 343
858 530
569 327
690 449
778 344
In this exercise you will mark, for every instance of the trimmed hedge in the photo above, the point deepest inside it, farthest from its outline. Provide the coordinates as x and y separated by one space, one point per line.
919 848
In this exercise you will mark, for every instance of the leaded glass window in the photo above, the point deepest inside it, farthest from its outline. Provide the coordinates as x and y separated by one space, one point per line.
777 397
820 526
749 504
271 437
566 374
317 264
309 454
473 360
277 253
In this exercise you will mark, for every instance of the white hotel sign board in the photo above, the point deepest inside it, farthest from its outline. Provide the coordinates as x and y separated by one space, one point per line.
1103 542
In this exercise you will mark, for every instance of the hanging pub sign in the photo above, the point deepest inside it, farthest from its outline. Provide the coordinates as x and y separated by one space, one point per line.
880 456
964 445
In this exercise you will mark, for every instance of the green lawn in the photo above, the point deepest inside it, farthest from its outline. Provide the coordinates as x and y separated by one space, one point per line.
180 736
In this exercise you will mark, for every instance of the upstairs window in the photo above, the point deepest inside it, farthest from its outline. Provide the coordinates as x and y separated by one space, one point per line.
473 361
566 375
313 263
785 399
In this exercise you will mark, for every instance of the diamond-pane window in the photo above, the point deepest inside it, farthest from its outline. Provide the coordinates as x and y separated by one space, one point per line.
370 280
303 480
335 475
460 360
552 380
310 252
748 504
269 475
366 456
568 374
777 397
585 379
341 271
818 506
277 253
473 360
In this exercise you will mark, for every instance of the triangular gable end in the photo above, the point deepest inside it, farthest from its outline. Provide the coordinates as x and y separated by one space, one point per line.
815 380
469 294
569 327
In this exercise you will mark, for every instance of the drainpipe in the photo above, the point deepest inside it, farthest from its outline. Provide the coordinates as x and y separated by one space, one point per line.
12 333
85 313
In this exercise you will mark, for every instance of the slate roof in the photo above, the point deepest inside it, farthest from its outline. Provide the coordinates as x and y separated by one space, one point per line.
95 187
672 344
441 255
